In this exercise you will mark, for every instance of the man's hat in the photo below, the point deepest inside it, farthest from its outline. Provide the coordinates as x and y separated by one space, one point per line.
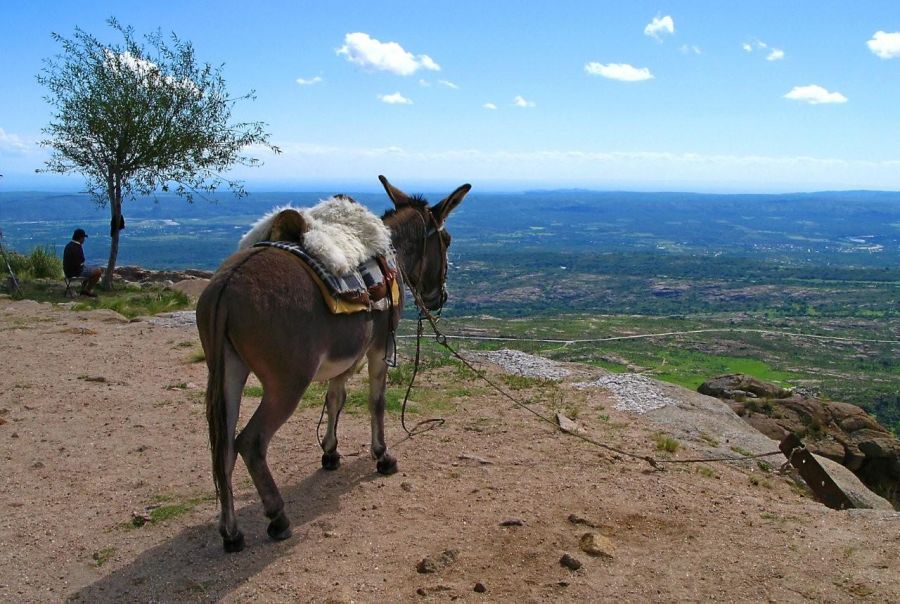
78 234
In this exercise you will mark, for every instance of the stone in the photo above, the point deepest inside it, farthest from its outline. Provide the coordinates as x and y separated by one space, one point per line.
566 424
512 522
570 562
435 564
479 588
595 544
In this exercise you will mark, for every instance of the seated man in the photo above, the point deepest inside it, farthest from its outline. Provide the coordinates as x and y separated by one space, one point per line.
74 266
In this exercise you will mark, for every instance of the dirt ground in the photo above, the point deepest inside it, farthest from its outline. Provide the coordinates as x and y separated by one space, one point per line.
101 419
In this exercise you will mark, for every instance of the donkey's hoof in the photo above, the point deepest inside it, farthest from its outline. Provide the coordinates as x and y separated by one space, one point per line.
387 465
280 528
233 544
331 461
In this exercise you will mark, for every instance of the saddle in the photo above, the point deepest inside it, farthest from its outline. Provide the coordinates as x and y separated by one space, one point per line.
371 286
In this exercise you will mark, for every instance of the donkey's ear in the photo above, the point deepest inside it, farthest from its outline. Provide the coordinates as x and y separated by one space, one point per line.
399 198
448 204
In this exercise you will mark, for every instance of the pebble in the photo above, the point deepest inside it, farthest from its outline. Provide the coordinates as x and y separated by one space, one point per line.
596 545
433 565
569 562
513 522
479 588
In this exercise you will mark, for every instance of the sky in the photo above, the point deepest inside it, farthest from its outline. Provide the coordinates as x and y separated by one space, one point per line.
705 95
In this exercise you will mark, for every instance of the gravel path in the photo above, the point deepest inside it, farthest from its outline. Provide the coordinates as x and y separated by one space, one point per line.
634 393
524 364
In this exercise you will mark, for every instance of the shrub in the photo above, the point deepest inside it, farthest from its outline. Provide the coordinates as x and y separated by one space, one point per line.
18 263
45 264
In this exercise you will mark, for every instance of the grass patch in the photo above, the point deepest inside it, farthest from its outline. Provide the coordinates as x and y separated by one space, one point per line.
760 482
666 443
197 356
254 391
128 301
706 472
521 382
709 440
102 556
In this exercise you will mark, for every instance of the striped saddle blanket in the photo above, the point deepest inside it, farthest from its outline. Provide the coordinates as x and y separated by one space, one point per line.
364 289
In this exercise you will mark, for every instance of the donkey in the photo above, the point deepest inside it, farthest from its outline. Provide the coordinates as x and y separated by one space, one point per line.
262 312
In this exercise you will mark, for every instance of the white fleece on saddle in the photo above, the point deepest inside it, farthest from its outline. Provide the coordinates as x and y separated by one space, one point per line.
342 234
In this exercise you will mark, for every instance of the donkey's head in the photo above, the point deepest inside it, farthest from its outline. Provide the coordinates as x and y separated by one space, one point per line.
421 241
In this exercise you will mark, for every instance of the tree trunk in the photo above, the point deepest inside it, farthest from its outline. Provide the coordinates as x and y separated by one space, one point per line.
115 205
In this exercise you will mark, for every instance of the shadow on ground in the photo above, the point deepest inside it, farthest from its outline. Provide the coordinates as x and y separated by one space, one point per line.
193 566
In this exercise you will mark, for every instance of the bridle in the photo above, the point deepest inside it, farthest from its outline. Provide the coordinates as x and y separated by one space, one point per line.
430 228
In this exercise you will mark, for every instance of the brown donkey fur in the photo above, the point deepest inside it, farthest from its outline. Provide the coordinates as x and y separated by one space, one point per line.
262 313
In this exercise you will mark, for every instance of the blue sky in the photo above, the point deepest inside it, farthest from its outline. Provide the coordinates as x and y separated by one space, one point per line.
701 95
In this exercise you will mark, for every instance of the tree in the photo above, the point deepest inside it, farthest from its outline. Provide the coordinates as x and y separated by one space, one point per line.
140 118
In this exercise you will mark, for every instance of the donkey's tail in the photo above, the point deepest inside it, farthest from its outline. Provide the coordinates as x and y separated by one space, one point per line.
215 319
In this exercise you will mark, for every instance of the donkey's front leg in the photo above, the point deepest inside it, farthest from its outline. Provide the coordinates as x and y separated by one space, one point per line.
385 462
334 402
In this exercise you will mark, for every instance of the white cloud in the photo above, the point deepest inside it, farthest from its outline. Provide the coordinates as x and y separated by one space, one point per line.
747 46
814 95
885 45
520 101
776 55
660 25
12 142
619 71
647 170
424 83
690 49
489 106
148 72
309 81
394 99
365 51
448 84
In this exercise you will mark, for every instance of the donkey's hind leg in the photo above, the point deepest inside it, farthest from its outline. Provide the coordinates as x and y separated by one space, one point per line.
277 405
236 373
385 463
334 402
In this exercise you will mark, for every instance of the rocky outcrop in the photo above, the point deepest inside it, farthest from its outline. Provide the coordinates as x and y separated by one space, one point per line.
136 274
838 431
191 282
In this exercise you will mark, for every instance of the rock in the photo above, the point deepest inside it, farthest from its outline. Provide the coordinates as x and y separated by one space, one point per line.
570 562
575 519
595 544
853 486
838 431
566 424
479 588
725 385
192 287
512 522
433 565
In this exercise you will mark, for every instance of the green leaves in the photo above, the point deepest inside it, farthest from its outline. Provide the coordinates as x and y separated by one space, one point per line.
136 117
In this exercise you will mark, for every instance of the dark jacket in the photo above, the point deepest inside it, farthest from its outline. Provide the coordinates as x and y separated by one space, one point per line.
73 259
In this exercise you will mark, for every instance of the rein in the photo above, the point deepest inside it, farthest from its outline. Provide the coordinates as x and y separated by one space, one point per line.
432 423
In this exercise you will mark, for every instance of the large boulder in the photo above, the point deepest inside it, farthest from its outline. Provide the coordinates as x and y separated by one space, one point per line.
838 431
737 385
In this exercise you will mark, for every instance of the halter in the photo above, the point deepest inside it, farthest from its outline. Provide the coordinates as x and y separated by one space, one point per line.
430 230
